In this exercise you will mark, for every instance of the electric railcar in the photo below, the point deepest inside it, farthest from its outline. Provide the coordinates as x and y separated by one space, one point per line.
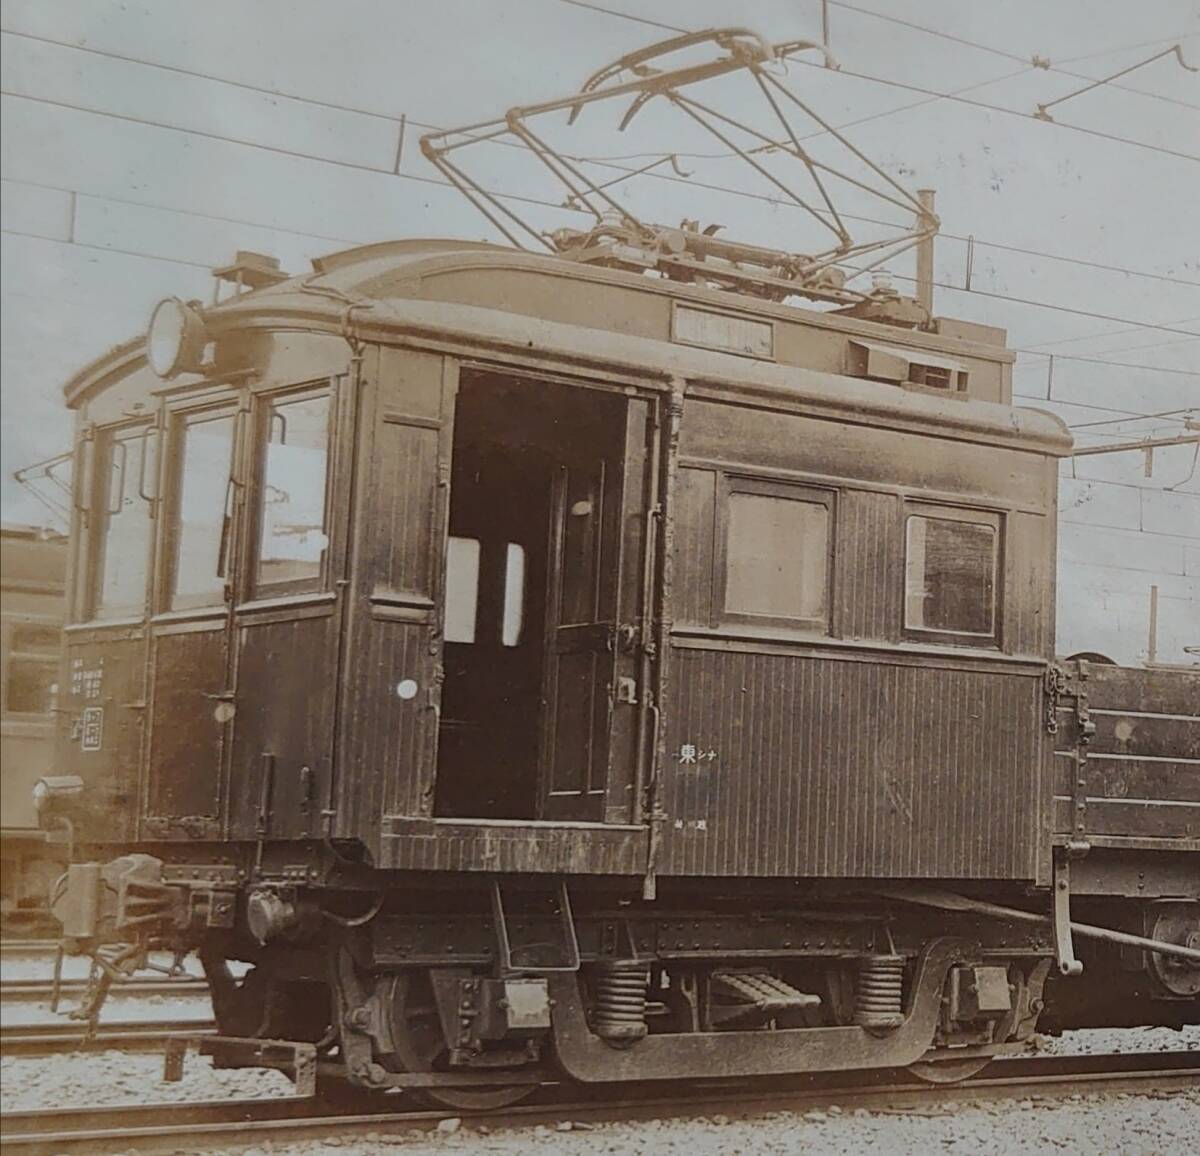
538 669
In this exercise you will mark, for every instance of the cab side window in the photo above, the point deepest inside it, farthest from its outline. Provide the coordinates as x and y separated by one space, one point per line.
121 523
951 575
293 530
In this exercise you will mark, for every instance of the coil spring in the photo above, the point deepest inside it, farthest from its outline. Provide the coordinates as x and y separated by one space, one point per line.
879 1000
619 1013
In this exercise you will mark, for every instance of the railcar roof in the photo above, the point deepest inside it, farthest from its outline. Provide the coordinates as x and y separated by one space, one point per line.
378 291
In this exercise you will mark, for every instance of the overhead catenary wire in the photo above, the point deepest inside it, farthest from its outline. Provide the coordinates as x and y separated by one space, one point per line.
1104 334
1156 344
1107 81
1029 302
399 119
1116 364
1180 413
109 249
376 170
627 16
930 31
1051 306
999 108
1127 414
1181 36
178 70
1038 62
903 85
1143 444
1084 262
381 170
111 198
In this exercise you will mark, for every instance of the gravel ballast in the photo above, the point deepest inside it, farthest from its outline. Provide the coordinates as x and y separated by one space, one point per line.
1129 1124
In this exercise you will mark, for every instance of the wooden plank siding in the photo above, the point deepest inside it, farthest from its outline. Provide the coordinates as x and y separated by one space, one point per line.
848 752
1141 773
386 761
830 766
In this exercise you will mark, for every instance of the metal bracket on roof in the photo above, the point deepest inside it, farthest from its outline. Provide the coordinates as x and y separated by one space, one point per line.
248 270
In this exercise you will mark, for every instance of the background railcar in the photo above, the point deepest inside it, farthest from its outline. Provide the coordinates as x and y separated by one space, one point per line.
32 568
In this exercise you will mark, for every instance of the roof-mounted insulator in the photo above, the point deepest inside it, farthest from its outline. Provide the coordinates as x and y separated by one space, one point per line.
248 271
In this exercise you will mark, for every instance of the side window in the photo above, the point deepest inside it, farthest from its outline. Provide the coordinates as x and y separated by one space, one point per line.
202 510
951 570
777 547
462 588
512 625
470 564
121 523
293 534
31 677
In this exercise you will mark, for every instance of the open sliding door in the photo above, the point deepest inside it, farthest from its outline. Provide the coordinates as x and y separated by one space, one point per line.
594 606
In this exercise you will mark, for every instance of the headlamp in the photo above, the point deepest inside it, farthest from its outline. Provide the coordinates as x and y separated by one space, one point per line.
176 338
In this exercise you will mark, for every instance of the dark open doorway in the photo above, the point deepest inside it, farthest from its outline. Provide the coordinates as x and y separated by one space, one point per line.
540 519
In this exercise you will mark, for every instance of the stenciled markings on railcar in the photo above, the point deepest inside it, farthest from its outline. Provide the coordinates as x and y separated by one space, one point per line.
86 681
695 804
91 730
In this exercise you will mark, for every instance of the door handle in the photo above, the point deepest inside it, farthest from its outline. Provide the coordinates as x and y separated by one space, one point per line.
223 696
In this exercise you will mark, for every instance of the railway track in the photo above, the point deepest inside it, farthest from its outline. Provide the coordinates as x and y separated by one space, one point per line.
27 948
61 1036
37 990
158 1127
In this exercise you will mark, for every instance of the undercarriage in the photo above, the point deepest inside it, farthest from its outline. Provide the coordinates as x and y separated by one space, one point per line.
473 991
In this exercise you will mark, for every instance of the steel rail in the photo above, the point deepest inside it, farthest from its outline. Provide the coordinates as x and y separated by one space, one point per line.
65 1036
34 990
28 948
159 1126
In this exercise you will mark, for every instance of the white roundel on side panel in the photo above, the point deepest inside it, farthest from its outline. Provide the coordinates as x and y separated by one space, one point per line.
407 688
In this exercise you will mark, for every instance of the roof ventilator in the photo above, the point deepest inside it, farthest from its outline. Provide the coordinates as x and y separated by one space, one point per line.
909 367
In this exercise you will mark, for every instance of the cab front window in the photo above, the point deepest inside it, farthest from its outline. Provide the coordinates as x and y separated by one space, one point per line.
122 523
202 513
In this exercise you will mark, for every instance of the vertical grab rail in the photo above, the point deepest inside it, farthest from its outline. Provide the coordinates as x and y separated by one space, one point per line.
647 645
670 469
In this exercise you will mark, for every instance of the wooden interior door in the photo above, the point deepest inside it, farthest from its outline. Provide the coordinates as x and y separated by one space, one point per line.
596 536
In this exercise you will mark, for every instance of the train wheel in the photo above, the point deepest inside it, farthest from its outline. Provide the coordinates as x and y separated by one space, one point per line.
1178 923
949 1071
421 1047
